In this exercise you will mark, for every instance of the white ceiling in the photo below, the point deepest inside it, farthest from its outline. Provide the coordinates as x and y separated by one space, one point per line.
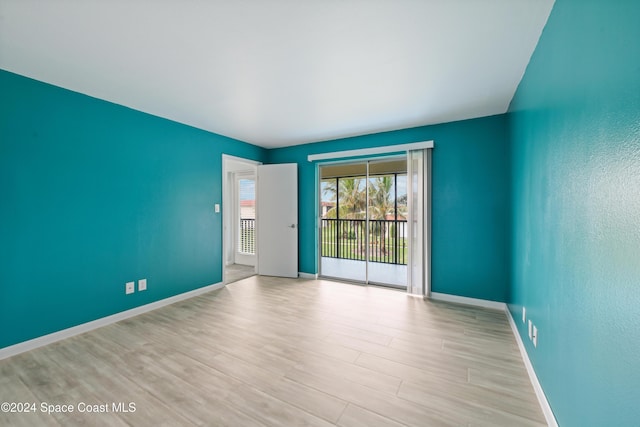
281 72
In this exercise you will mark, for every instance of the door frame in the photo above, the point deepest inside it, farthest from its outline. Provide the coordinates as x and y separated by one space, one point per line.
227 203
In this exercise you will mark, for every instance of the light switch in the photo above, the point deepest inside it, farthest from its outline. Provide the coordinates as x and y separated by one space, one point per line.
217 207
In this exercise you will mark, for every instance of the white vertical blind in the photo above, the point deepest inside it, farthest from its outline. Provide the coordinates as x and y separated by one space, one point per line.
415 273
427 220
417 268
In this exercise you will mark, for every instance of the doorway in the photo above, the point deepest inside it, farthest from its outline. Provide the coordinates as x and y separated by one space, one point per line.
260 219
363 226
239 218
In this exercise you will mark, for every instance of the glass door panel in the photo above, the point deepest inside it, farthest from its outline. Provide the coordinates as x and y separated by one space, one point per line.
343 221
387 203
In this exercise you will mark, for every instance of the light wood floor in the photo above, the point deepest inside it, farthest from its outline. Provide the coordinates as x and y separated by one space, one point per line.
235 272
282 352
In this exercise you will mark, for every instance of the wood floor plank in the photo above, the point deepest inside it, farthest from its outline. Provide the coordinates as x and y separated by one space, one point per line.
54 387
111 386
268 351
355 416
468 411
474 402
335 368
13 390
384 404
407 372
306 398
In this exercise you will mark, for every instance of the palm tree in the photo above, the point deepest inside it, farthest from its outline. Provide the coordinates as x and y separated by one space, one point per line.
353 203
382 204
350 198
350 202
381 197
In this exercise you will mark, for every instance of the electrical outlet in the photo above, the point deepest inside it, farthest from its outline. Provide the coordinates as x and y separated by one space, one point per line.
524 314
535 336
130 288
530 330
142 285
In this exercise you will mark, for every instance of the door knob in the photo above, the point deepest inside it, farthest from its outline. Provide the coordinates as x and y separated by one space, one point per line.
292 226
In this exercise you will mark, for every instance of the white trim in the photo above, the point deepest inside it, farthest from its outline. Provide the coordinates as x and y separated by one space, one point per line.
495 305
542 398
309 276
98 323
369 151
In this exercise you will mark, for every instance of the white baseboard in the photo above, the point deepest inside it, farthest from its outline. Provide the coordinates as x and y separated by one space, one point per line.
307 276
542 398
98 323
495 305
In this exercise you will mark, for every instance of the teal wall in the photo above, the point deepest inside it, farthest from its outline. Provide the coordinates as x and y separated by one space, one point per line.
95 195
471 241
575 132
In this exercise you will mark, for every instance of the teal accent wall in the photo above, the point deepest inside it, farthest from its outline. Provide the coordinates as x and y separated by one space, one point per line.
575 132
471 199
95 195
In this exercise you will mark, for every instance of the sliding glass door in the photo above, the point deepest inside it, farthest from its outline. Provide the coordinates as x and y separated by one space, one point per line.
363 221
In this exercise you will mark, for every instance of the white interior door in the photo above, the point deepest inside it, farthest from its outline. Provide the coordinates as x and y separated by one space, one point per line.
277 220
